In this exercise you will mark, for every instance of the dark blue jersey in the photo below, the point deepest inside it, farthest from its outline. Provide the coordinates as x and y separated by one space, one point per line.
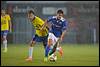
57 25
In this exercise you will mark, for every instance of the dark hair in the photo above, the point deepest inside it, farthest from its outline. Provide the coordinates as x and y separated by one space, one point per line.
31 11
60 11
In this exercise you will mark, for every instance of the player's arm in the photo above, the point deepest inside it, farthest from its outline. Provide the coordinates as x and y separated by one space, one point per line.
46 23
65 25
62 36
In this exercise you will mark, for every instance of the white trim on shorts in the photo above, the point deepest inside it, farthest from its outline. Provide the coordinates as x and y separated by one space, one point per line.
53 37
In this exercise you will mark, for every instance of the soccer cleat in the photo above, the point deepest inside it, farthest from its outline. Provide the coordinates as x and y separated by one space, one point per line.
29 59
5 50
61 51
45 59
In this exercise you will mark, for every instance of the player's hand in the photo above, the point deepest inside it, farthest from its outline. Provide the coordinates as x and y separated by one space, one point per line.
41 29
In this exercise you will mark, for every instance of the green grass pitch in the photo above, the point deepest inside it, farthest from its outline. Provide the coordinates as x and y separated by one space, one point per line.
74 55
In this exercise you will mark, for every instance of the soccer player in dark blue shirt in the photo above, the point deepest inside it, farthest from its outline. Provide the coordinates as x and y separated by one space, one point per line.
57 30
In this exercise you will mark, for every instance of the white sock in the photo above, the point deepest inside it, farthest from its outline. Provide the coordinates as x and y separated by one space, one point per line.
5 44
30 52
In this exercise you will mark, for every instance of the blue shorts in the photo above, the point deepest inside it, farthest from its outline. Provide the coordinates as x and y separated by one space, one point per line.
4 33
43 39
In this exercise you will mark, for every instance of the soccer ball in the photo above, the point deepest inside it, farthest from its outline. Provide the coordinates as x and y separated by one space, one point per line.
53 58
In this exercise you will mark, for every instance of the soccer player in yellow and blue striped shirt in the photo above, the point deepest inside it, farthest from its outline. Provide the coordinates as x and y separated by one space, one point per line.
40 35
5 27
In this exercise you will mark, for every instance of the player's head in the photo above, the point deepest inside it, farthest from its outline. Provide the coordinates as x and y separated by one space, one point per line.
60 14
31 15
3 12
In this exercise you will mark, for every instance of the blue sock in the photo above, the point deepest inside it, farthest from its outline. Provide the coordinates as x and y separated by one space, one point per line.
47 50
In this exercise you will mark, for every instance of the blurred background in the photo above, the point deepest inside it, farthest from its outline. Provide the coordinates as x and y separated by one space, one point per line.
83 18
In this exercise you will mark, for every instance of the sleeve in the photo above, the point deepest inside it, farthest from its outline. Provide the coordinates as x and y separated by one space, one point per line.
65 25
49 19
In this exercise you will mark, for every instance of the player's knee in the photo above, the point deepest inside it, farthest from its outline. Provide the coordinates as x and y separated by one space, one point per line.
32 43
50 42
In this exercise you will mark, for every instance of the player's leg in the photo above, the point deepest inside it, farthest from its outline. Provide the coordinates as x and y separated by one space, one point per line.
5 40
54 45
49 43
32 43
45 41
59 49
53 49
47 49
44 44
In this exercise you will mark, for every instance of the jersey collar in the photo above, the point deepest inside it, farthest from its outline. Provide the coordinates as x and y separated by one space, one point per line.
59 19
